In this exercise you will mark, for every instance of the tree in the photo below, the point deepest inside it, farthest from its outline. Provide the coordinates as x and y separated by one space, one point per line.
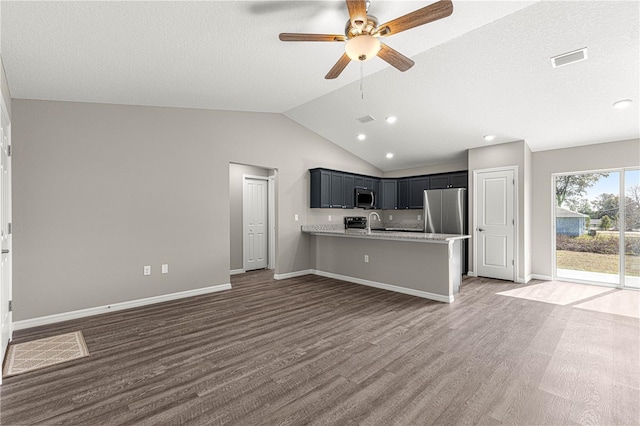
606 204
575 186
605 222
581 205
632 208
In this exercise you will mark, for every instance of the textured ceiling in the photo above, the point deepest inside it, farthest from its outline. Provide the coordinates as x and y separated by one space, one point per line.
485 69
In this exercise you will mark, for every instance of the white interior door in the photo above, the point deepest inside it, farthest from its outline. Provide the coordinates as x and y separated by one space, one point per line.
495 224
5 232
255 230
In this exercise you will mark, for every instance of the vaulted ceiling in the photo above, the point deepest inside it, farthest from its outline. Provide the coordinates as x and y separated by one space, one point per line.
486 69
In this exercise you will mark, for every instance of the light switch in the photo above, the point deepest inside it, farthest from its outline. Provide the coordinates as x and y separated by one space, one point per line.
295 217
146 270
165 268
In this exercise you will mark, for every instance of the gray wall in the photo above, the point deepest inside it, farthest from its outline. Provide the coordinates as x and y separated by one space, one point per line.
102 190
502 155
578 159
235 209
431 169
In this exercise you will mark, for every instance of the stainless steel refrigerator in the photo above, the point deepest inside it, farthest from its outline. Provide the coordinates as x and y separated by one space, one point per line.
445 211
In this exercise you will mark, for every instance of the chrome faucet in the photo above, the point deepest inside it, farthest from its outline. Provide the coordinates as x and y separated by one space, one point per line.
369 221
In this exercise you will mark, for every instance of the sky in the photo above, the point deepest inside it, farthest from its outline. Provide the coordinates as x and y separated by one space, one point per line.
611 184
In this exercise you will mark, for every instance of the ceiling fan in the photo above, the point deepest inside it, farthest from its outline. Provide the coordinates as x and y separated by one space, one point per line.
362 34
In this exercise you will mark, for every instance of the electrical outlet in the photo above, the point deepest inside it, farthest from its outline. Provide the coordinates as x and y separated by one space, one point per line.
146 270
295 217
165 268
390 217
329 218
366 258
419 217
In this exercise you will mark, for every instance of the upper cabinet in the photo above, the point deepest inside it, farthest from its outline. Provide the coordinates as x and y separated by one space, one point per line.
335 189
449 180
388 194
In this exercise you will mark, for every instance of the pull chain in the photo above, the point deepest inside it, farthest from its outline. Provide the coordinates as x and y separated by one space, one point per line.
362 80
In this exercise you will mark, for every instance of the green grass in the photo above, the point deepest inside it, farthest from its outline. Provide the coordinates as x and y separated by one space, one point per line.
595 262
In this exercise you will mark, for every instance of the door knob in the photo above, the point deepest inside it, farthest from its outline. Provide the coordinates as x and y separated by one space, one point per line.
481 229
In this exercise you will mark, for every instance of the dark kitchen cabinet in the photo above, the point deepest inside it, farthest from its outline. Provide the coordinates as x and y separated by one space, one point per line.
403 193
331 189
337 193
320 188
417 186
348 194
388 194
449 180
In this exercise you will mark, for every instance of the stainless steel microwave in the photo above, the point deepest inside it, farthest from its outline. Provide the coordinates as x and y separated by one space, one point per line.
365 198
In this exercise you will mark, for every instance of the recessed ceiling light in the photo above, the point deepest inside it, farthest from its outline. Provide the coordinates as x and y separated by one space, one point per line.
489 138
389 154
622 104
391 119
362 137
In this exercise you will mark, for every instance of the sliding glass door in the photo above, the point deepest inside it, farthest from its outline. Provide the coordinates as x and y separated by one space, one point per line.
632 228
597 227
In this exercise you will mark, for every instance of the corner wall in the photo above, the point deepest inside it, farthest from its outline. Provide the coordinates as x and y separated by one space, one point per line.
504 155
102 190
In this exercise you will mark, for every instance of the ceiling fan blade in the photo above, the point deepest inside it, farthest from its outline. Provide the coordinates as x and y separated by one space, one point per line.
357 13
311 37
338 67
395 58
433 12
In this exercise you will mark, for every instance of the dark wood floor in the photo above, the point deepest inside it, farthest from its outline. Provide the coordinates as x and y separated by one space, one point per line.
313 350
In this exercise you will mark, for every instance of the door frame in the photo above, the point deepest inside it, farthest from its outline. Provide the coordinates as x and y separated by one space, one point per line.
244 236
271 218
516 217
8 197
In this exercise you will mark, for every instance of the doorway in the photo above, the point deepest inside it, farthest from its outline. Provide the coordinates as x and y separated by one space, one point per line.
597 227
494 236
237 174
5 232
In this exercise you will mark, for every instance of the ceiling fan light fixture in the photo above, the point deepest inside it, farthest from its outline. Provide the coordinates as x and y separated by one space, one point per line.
362 47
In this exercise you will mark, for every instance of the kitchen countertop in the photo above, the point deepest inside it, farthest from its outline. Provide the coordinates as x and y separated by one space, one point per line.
339 231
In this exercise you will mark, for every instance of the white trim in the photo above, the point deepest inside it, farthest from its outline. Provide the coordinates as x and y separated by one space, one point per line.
271 220
541 277
293 274
471 274
236 271
81 313
389 287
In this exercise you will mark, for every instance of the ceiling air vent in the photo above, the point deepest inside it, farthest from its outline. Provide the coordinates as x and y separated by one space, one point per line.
365 119
569 58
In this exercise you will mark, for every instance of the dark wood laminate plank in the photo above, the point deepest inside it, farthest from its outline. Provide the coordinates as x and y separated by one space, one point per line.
317 350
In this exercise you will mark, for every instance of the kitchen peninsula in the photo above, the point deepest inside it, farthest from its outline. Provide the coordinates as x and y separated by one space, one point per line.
416 263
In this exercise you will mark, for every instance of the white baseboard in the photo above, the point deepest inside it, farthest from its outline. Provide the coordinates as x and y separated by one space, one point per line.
390 287
236 271
65 316
541 277
293 274
471 274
